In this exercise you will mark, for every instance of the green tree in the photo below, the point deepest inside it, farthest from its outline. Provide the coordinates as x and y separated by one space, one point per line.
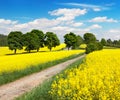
89 38
93 47
78 42
70 40
51 40
109 42
3 40
31 41
40 35
15 41
103 41
99 45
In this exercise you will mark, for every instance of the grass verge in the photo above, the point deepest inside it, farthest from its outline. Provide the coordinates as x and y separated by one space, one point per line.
41 92
7 77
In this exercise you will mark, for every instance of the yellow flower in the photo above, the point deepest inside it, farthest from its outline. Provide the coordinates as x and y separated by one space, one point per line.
97 78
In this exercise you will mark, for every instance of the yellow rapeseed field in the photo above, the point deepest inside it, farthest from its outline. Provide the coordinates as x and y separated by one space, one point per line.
97 78
9 63
5 50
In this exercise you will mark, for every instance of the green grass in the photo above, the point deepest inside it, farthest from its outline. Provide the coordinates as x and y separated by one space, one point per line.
41 92
7 77
108 47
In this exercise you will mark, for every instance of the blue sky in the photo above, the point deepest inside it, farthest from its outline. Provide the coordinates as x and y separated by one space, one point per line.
101 17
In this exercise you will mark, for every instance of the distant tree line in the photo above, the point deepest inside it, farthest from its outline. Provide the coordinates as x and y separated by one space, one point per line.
36 39
109 42
3 40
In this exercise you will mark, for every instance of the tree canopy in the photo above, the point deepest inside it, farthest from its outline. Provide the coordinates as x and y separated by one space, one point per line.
31 41
78 42
89 38
15 41
40 35
70 40
51 40
103 41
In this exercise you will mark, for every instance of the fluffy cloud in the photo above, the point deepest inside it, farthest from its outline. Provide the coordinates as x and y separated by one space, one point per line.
77 24
114 31
113 34
7 22
63 22
95 26
103 19
67 14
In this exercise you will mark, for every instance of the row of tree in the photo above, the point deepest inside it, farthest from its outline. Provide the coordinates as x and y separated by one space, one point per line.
36 39
109 42
33 40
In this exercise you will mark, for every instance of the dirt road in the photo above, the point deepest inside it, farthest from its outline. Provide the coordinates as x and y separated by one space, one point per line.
14 89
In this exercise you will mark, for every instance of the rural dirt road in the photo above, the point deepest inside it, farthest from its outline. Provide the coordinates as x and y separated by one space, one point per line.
14 89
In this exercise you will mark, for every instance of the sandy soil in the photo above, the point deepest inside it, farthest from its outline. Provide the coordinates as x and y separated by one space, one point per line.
14 89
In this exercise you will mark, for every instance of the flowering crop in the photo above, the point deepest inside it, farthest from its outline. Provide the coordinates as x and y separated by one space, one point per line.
97 78
11 63
5 50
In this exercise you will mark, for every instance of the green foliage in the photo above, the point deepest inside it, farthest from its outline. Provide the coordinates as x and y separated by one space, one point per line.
89 37
31 41
115 43
40 35
93 47
99 46
15 41
51 40
3 40
92 43
103 42
78 42
70 40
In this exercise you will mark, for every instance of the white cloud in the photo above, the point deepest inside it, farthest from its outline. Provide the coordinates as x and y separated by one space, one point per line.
97 9
88 6
95 26
113 34
7 22
114 31
103 19
64 22
77 24
67 14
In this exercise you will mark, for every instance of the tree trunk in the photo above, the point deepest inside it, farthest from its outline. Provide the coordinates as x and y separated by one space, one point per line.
15 51
50 49
38 50
29 51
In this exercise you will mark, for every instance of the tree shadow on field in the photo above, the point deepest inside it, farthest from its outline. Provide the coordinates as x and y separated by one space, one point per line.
24 53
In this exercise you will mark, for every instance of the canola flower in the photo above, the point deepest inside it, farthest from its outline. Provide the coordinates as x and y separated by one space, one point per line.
83 46
18 62
5 50
97 78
